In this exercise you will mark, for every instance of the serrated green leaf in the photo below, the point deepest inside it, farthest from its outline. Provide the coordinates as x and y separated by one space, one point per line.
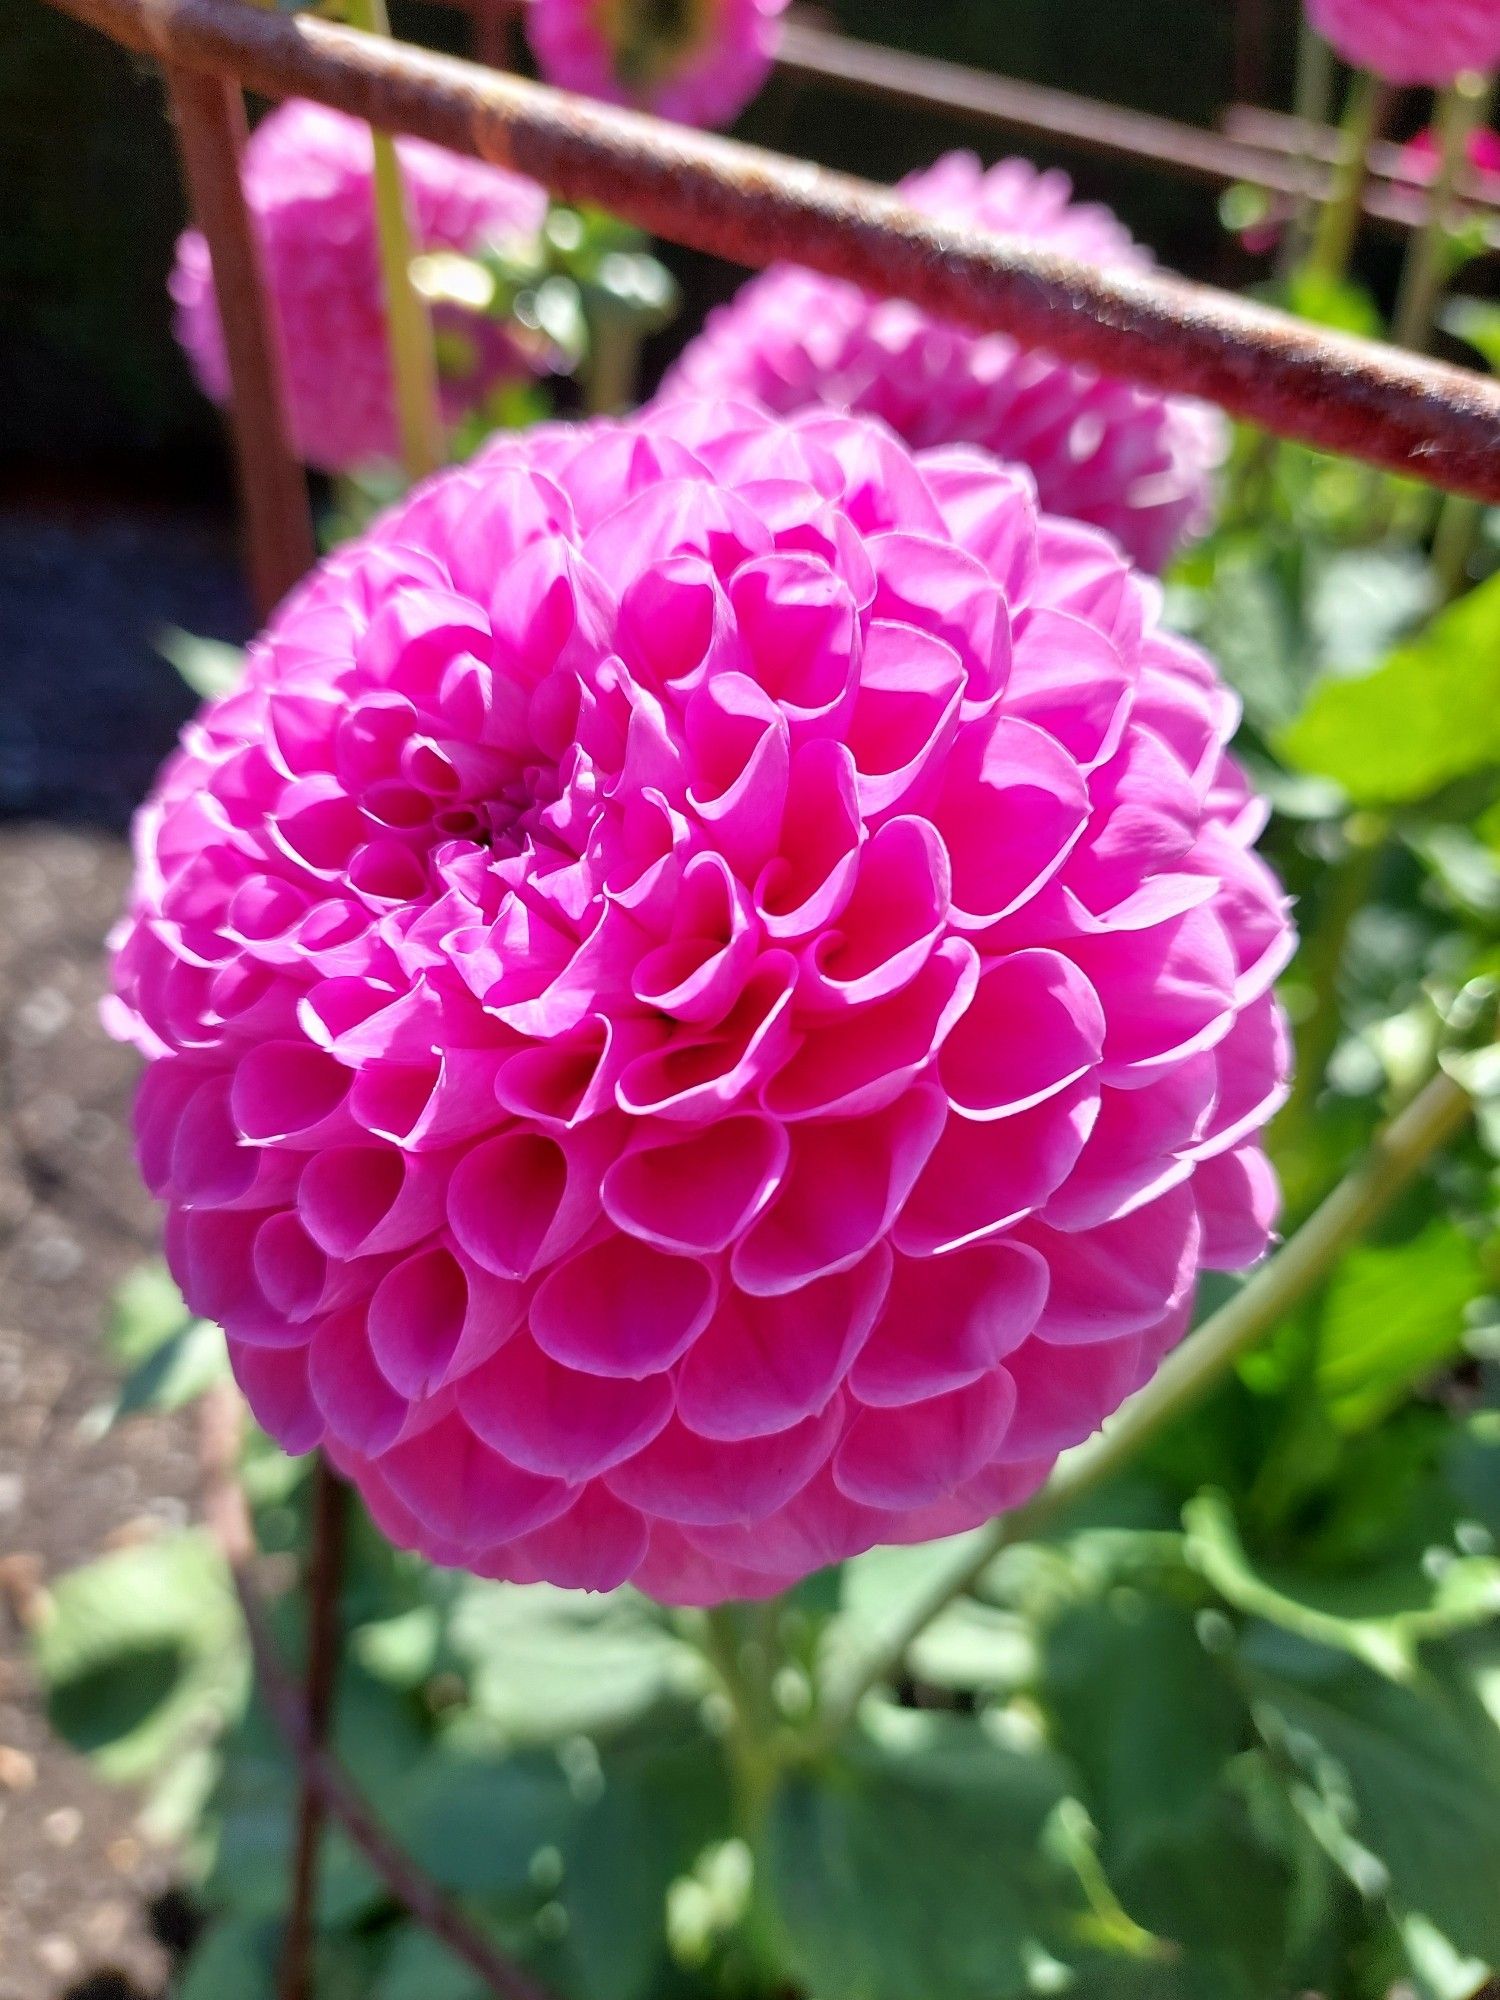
142 1651
1380 1614
1429 715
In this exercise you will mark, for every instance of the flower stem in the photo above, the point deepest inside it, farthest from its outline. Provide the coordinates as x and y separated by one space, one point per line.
1314 89
1460 112
419 419
1434 1117
1338 223
1347 887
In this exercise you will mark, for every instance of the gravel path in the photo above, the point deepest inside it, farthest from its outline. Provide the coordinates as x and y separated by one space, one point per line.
86 710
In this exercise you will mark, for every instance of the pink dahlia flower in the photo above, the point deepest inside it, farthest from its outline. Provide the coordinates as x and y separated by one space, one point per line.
1412 41
696 61
707 1001
1421 158
309 182
1121 458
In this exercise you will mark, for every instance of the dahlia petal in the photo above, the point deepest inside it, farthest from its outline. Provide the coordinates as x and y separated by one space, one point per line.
763 1365
1143 1142
622 1308
1238 1199
1012 808
942 589
695 1190
357 1201
1071 679
893 919
905 716
983 1177
357 1403
844 1184
416 1317
911 1456
598 1544
808 881
949 1320
1034 1026
870 1055
275 1385
708 1481
290 1093
462 1491
1115 1279
1064 1393
703 1076
518 1201
553 1420
1168 993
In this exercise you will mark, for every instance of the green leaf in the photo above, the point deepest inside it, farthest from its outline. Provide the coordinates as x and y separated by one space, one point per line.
235 1960
1411 1774
1392 1317
1476 321
1380 1614
478 1823
919 1868
663 1797
420 1968
546 1664
142 1651
209 667
1153 1751
146 1311
1334 302
1430 714
185 1365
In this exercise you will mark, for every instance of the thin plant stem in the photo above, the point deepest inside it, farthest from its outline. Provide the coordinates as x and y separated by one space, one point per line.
1433 1118
1337 227
324 1579
1314 90
414 372
1458 524
1460 111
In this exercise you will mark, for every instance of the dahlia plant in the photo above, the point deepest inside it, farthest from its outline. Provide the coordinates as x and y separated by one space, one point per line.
1138 464
309 183
1412 41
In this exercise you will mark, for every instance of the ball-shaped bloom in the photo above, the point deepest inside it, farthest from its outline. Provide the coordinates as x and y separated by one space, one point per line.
1412 41
708 1000
1126 459
308 175
696 61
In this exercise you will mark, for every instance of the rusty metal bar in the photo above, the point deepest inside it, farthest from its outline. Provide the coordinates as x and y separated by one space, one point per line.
1280 133
1420 418
210 114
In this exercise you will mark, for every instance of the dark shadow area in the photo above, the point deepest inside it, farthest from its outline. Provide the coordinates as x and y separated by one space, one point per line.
88 705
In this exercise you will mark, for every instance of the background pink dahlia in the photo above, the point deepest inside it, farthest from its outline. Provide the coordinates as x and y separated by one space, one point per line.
1122 458
707 1001
1412 41
696 61
308 175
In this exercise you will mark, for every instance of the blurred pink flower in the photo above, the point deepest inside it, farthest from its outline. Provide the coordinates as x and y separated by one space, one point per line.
1412 41
1136 463
696 61
707 1001
309 181
1420 157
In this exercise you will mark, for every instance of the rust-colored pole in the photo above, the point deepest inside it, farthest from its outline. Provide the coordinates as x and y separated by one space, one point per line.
1396 411
210 115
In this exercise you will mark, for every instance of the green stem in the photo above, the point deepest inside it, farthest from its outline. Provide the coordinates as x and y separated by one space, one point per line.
1458 525
737 1641
419 419
1338 222
1435 1116
612 370
1460 110
1314 90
